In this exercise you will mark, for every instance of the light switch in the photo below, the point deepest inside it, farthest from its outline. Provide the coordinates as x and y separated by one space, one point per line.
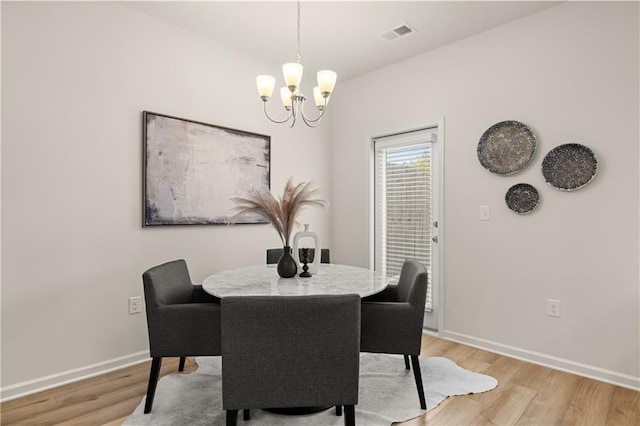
485 213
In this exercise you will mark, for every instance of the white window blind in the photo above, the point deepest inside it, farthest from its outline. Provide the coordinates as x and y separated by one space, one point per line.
403 204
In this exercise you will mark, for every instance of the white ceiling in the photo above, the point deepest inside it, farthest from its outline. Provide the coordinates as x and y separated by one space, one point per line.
343 36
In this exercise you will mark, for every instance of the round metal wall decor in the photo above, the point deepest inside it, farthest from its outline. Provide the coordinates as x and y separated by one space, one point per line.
522 198
506 147
569 167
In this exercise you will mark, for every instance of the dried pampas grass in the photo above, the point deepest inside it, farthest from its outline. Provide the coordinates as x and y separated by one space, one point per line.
280 212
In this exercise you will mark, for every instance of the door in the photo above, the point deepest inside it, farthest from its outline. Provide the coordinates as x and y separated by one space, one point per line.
407 190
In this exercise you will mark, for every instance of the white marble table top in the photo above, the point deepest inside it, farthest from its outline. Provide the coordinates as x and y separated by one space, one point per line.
263 280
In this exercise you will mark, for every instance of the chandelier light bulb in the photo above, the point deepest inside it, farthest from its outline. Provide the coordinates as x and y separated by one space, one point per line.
326 81
265 84
286 95
321 101
292 73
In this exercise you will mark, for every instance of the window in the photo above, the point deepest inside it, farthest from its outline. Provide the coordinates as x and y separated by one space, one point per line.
403 202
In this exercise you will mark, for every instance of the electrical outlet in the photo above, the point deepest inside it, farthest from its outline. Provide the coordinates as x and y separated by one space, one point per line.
135 305
553 308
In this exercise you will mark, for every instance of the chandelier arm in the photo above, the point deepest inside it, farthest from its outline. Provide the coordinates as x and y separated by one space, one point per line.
313 124
276 121
308 120
295 109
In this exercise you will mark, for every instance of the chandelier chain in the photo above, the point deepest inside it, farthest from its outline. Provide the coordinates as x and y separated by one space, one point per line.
298 20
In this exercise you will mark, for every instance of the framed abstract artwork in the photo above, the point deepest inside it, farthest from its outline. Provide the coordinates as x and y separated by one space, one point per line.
192 170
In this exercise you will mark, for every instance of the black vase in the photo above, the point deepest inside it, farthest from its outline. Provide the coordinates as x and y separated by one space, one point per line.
287 267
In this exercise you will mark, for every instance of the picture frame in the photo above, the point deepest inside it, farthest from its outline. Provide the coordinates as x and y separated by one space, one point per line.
193 170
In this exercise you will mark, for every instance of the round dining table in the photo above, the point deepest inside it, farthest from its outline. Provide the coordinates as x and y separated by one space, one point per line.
263 280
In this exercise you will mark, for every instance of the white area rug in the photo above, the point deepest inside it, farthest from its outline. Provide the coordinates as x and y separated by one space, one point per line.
387 394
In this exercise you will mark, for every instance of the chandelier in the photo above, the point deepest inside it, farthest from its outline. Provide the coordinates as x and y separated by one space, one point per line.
292 99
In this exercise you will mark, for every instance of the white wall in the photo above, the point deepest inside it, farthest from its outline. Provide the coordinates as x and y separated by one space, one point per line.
76 77
571 73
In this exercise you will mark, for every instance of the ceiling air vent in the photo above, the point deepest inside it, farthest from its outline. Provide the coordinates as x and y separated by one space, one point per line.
399 31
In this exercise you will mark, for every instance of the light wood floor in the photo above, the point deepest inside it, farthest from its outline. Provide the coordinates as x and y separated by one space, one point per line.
527 394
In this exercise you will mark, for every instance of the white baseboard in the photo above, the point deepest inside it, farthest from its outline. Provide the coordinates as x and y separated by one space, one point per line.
589 371
619 379
44 383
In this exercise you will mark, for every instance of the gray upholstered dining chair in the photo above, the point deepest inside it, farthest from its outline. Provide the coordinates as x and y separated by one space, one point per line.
273 255
290 351
182 319
392 320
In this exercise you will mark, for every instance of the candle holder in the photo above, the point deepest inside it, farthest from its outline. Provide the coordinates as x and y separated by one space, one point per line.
297 249
305 259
